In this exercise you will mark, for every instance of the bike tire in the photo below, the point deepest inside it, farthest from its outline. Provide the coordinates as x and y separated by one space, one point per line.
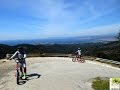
17 77
73 59
78 59
82 61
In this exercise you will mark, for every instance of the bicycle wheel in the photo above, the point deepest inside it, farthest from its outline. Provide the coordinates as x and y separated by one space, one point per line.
17 77
73 59
82 60
78 59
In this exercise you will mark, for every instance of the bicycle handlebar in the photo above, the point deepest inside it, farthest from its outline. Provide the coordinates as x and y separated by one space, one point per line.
16 60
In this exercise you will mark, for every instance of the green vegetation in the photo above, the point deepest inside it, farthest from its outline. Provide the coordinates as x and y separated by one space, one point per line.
116 80
105 50
100 84
109 50
118 36
55 48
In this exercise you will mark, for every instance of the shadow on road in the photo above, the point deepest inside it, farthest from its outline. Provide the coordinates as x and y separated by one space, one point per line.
33 76
29 77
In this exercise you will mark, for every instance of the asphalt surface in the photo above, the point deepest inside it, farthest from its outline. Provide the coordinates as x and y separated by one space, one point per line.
55 73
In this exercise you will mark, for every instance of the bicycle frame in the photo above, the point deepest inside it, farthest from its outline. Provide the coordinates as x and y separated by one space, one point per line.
78 58
17 71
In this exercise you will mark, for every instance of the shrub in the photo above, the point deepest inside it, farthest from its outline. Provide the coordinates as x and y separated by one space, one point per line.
100 84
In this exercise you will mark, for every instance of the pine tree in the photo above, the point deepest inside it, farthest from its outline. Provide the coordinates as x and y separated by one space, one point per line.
118 36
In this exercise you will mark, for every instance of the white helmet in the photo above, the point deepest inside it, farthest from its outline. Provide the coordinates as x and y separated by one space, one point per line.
78 48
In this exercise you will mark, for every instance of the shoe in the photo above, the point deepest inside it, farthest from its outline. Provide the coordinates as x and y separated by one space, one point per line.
24 76
21 75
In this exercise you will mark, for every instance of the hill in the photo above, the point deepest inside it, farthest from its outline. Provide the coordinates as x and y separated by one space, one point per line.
103 50
109 51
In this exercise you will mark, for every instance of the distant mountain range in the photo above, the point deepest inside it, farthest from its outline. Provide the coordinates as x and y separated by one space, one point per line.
66 40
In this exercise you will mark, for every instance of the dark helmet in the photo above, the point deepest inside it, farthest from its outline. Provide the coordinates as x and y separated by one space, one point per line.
20 48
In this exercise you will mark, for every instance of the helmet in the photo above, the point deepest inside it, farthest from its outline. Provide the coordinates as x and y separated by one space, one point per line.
20 48
78 48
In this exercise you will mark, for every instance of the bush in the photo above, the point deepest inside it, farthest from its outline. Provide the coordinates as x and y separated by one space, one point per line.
114 56
100 84
102 55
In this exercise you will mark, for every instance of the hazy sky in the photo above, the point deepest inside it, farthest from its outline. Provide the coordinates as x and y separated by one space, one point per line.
34 19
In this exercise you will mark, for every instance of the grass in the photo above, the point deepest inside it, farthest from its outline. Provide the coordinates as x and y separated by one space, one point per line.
100 84
116 80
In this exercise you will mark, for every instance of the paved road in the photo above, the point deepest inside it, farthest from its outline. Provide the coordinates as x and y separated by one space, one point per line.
55 73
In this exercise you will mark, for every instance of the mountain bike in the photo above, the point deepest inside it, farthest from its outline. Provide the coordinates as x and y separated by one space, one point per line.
79 59
18 78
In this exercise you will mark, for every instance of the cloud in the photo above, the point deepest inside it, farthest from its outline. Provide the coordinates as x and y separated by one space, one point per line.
52 18
99 30
56 11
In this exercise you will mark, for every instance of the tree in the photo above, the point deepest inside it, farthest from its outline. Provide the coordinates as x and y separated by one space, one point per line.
118 36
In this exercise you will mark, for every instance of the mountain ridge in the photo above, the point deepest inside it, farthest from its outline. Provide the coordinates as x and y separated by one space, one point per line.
64 40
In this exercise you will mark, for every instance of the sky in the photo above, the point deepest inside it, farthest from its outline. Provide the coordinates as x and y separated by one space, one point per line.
39 19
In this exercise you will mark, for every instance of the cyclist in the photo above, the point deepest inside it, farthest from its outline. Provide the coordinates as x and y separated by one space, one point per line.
21 56
78 53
